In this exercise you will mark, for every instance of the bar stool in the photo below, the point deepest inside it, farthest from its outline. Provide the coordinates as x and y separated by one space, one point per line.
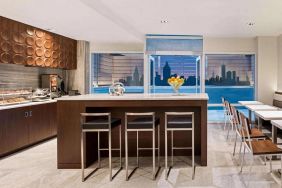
142 122
101 122
179 121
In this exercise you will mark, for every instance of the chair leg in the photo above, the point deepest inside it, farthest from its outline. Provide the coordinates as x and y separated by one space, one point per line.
99 159
120 157
193 155
159 146
154 155
243 159
137 148
82 155
229 127
225 120
235 144
126 157
166 175
110 154
171 149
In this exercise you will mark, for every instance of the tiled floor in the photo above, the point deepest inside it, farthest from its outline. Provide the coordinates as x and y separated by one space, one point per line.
36 168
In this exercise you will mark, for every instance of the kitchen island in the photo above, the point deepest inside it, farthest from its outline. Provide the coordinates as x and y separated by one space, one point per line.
68 114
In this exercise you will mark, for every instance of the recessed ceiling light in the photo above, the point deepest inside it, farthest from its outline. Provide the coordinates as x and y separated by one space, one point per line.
164 21
251 23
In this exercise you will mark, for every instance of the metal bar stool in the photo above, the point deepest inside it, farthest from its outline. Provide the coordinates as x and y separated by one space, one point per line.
101 122
179 121
141 122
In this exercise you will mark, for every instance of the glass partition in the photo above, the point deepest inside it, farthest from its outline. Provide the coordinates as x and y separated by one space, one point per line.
231 77
126 68
162 67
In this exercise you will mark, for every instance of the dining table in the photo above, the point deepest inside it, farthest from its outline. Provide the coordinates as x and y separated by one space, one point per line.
253 107
244 103
269 116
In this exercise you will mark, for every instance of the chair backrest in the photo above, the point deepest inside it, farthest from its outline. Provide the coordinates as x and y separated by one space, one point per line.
235 117
96 116
144 117
245 130
228 108
223 101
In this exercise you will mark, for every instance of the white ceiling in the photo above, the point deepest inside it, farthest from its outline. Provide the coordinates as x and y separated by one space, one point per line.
127 21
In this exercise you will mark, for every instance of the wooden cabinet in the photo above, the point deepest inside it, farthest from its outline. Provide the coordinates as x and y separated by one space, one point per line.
14 129
26 45
21 127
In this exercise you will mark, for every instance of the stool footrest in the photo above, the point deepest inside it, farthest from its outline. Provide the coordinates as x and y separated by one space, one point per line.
106 149
146 148
182 148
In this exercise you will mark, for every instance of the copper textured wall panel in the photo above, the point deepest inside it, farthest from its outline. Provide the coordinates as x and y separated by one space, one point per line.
31 46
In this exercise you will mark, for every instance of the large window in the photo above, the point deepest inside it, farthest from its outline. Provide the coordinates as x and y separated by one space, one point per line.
163 67
230 76
109 68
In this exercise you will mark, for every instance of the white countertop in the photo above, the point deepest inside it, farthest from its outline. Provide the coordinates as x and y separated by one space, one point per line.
277 123
25 104
159 96
250 102
263 107
269 115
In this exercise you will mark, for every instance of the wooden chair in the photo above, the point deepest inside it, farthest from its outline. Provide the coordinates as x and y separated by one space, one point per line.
225 111
257 147
230 118
254 132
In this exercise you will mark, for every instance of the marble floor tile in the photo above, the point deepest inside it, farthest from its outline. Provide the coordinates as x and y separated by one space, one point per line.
36 168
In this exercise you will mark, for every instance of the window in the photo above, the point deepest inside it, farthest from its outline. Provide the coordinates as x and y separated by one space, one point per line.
230 76
163 67
109 68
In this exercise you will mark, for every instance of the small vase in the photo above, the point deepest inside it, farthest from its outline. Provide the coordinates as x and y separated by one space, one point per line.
176 91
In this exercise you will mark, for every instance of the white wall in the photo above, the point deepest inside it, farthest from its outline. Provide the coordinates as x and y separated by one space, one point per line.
279 70
267 65
123 47
229 45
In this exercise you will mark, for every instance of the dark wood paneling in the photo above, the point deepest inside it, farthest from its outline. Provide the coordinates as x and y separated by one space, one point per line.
69 128
52 111
39 123
18 131
14 129
31 46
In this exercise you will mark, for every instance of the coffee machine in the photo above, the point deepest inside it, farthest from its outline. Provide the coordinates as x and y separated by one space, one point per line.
51 82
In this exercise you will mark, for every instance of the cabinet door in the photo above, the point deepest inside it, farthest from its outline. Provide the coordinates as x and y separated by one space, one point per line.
39 126
14 128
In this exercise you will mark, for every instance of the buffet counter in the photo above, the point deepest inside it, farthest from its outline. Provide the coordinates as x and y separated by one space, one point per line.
70 107
23 125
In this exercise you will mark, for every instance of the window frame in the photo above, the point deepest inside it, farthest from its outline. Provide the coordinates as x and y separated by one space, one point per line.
205 54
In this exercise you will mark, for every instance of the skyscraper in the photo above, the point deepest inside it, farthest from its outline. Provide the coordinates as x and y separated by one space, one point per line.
229 75
136 76
166 72
234 76
152 71
223 72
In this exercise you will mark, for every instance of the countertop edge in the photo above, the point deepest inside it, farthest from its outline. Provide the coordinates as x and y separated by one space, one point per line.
100 97
26 104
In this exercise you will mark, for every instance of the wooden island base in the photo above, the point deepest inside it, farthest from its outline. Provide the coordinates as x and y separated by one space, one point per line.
69 110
